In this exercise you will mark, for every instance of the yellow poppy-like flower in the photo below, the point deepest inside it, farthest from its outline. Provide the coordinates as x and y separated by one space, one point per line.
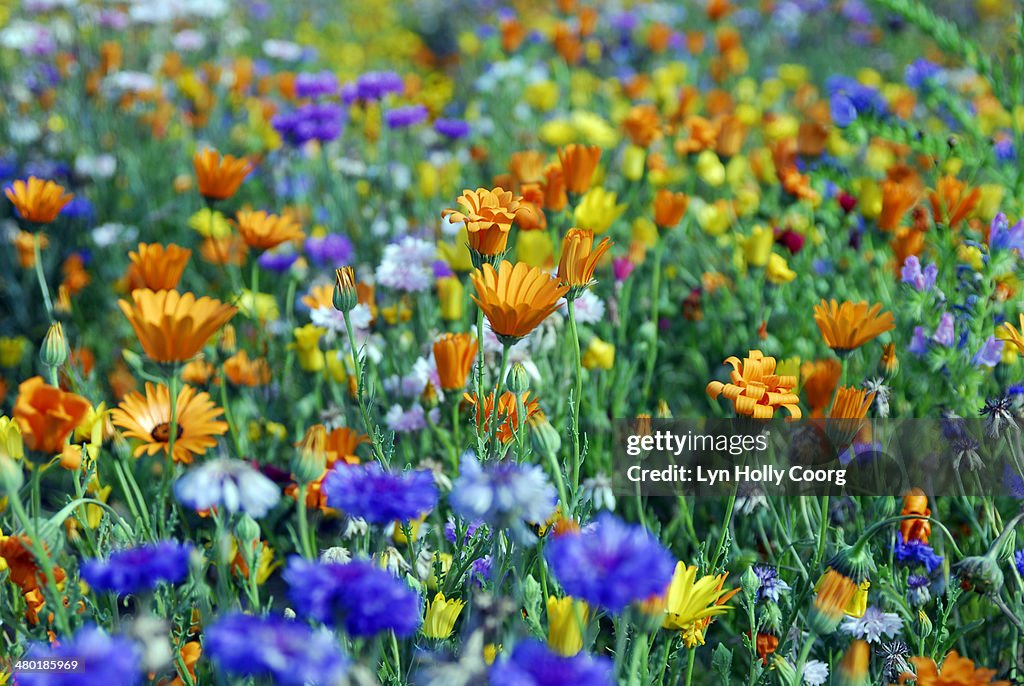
599 355
535 248
450 296
11 443
307 347
691 604
259 306
567 618
12 350
210 224
441 562
757 247
777 270
439 620
597 210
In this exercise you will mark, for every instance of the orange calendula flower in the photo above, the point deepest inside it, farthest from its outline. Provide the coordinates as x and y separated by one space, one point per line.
669 208
157 267
47 415
263 231
850 325
36 200
642 125
819 382
341 445
578 165
853 670
219 176
952 201
915 502
148 419
25 245
897 199
173 327
956 671
507 415
846 418
1015 336
754 388
243 371
488 216
24 570
579 260
515 299
454 354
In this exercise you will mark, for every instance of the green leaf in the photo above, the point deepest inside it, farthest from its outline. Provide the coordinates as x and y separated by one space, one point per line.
721 663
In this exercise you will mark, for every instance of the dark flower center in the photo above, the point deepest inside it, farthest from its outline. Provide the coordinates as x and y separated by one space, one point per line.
162 432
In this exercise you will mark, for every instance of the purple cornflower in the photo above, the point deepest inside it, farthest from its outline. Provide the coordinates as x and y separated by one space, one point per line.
107 660
771 585
452 128
504 494
533 664
316 121
373 85
359 596
277 262
920 72
842 110
333 250
990 354
916 553
944 334
137 569
287 653
918 591
451 534
403 117
1002 236
921 280
380 496
611 563
316 85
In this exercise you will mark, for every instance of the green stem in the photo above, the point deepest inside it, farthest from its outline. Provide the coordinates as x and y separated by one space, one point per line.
652 353
819 551
576 397
493 428
40 277
305 542
368 424
729 506
42 558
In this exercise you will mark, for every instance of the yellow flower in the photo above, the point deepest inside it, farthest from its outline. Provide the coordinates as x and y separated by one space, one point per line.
710 169
557 132
599 355
757 247
440 616
307 347
442 561
567 619
714 218
450 294
541 95
597 210
691 603
777 271
456 253
12 350
593 129
210 224
399 537
91 426
259 306
633 160
11 444
534 248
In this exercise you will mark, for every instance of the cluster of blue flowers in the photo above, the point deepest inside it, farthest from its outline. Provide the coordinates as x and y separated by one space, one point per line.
380 496
138 569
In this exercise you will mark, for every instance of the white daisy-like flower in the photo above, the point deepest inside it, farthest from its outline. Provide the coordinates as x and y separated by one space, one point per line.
815 673
874 625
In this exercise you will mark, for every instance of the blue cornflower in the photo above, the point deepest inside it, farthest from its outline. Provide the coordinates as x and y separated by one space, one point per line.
919 341
403 117
373 85
921 72
230 484
918 591
504 494
277 262
1018 560
916 552
139 569
380 496
288 653
533 664
771 585
106 659
1005 150
611 563
333 250
321 121
452 128
316 85
842 110
359 596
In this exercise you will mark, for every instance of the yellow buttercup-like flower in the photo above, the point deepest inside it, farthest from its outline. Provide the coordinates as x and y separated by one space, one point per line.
567 619
307 347
11 444
440 617
691 604
597 210
777 270
210 224
599 355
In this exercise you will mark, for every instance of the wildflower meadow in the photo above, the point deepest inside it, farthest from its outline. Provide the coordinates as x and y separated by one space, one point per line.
511 342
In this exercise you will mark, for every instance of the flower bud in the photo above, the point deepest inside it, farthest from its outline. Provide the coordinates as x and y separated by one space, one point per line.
54 351
750 582
11 444
345 295
311 458
518 379
980 573
247 531
11 476
545 437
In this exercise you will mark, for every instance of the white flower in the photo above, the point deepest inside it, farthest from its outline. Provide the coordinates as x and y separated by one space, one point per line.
408 265
229 484
589 308
110 233
406 421
188 40
874 625
100 166
282 50
815 673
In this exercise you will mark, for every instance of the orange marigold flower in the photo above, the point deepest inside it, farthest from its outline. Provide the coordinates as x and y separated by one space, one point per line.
157 267
731 132
669 207
515 299
488 216
915 502
508 412
25 245
228 250
579 260
341 445
642 125
512 34
701 135
846 418
897 199
956 671
854 667
819 382
754 388
75 275
219 177
148 419
173 327
835 593
527 166
766 645
263 231
47 415
848 326
243 371
198 372
454 354
1015 336
24 571
578 165
952 201
36 200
